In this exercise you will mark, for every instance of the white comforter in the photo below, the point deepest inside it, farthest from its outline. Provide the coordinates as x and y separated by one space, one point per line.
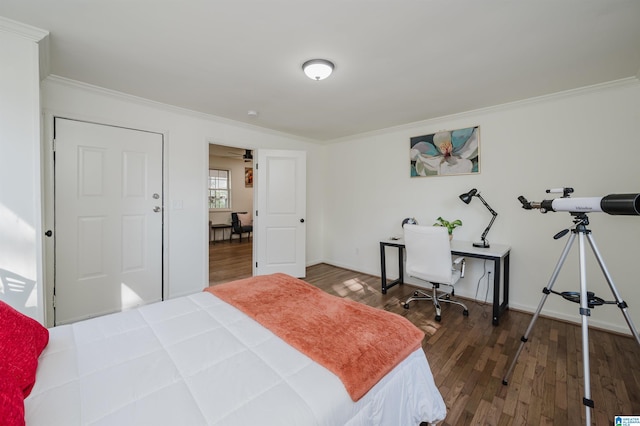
196 360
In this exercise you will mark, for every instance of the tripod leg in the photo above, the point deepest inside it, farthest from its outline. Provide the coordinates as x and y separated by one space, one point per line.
621 303
546 291
585 312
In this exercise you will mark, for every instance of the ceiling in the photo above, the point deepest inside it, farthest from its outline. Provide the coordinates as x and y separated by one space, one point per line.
397 61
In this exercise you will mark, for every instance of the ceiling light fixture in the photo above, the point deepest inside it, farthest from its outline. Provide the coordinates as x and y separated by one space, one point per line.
318 69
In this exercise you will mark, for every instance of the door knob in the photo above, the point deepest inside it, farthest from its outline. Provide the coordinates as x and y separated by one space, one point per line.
157 209
301 220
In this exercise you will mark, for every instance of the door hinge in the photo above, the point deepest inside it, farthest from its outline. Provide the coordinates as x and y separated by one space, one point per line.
54 301
53 145
256 213
256 265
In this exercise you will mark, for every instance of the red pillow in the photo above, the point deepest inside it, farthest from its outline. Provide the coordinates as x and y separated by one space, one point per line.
11 401
22 340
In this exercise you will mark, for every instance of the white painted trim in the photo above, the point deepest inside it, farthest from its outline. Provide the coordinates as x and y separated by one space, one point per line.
44 51
23 30
205 236
47 206
46 173
562 316
574 318
625 82
622 83
39 182
62 81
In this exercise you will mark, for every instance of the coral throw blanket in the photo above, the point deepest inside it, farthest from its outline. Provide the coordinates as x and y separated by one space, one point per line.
358 343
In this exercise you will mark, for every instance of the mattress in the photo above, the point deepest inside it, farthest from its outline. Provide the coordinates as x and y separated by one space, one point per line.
197 360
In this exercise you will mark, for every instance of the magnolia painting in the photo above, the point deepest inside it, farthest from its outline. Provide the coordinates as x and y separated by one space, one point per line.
451 152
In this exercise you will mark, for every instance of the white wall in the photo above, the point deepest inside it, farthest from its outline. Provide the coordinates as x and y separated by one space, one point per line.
20 218
187 137
587 139
358 189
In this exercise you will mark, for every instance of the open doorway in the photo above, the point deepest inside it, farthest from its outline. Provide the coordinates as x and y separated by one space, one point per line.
230 191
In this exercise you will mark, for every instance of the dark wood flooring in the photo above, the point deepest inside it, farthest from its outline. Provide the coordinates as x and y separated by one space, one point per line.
229 260
469 356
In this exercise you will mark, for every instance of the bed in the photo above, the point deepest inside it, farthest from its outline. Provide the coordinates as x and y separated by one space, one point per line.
207 359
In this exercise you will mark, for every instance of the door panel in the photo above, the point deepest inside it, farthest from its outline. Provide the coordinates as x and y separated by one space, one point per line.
281 245
280 239
108 238
91 237
133 242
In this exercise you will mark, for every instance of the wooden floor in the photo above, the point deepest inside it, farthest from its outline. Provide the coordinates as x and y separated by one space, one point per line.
229 261
469 356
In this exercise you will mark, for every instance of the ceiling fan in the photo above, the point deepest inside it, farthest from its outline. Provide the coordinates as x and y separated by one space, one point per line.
247 156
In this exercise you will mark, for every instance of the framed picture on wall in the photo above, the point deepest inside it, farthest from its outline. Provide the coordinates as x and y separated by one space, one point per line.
448 152
248 177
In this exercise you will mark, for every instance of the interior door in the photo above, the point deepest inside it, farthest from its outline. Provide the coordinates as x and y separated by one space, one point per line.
280 191
108 219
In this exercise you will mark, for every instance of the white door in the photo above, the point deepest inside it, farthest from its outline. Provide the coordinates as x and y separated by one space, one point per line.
108 219
280 187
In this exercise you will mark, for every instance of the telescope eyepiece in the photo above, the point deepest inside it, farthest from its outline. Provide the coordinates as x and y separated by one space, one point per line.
524 202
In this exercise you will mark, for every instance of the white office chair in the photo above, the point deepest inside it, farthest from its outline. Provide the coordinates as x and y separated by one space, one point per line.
429 259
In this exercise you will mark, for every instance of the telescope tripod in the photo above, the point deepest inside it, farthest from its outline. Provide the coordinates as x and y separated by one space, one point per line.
586 299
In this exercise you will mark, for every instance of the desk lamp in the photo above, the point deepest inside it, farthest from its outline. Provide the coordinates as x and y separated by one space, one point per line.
467 199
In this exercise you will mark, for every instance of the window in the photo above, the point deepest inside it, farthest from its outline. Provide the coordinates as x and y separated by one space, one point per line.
219 189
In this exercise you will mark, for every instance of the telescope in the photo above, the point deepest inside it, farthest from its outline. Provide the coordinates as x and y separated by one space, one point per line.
613 204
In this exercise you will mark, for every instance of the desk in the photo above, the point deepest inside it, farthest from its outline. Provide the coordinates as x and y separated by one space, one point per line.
498 253
215 227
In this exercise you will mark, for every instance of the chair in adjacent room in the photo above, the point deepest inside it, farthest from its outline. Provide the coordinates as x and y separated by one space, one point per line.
241 223
429 260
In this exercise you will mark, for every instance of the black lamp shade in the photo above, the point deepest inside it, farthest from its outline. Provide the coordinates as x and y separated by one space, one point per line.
466 197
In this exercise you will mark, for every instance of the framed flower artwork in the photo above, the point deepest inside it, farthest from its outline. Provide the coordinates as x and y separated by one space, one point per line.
248 177
447 152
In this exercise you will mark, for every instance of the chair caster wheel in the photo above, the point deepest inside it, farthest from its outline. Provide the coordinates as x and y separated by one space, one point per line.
465 312
406 306
438 318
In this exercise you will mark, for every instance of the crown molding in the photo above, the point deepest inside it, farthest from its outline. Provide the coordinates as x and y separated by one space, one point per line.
36 35
23 30
621 83
628 82
63 81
